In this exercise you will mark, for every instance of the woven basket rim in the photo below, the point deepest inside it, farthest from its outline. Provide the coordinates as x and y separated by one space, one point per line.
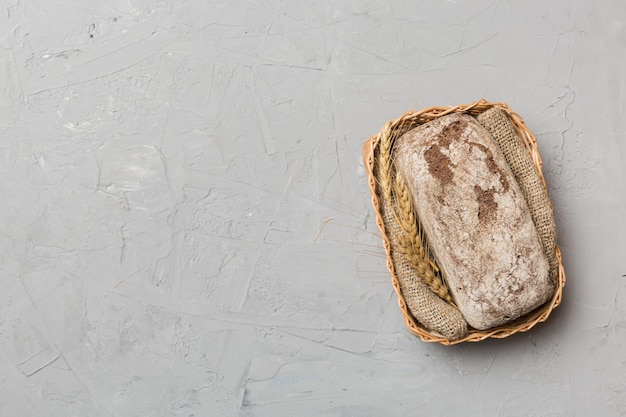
413 118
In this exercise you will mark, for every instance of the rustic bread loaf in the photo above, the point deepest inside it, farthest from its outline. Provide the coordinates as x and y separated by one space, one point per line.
476 220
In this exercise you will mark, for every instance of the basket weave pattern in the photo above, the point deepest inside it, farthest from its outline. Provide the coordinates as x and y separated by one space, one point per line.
406 122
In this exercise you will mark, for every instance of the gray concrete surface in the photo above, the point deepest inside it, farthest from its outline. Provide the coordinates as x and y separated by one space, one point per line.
186 228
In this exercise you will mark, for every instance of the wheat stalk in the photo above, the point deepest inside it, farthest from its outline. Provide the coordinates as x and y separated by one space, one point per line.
411 241
384 162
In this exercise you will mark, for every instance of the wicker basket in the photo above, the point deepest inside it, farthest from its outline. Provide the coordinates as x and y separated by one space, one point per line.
408 121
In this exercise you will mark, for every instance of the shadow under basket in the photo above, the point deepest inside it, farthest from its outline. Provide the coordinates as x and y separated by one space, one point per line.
407 122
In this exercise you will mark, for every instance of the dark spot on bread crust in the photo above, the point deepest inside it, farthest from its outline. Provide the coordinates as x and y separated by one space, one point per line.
487 206
438 162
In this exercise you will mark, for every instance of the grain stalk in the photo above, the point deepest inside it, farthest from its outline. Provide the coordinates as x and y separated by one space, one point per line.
411 241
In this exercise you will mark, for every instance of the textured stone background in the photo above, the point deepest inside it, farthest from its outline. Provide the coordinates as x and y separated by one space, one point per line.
185 224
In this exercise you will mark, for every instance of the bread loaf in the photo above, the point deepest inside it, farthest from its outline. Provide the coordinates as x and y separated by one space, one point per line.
476 220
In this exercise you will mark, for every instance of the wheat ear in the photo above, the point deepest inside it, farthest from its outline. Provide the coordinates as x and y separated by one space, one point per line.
411 240
384 162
